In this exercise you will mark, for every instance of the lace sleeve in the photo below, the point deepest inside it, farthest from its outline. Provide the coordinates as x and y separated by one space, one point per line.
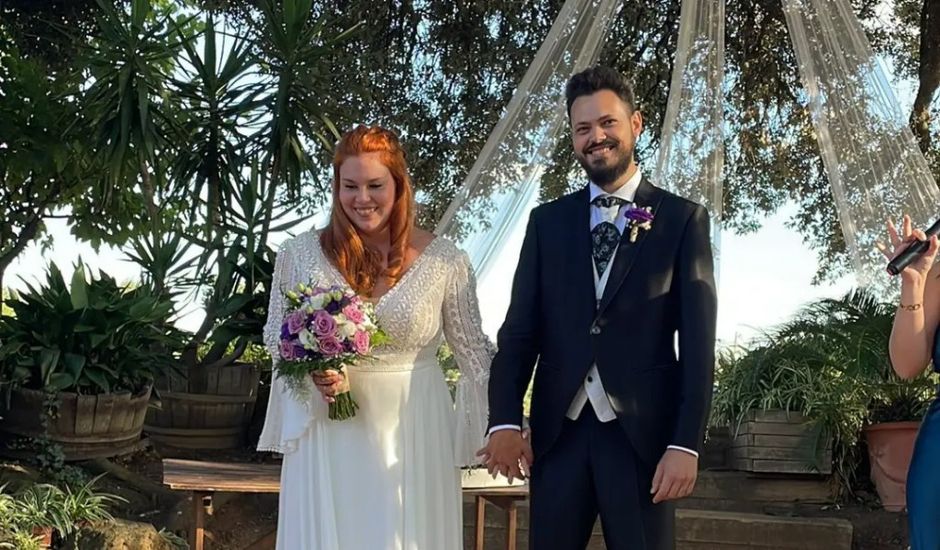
277 305
473 352
286 418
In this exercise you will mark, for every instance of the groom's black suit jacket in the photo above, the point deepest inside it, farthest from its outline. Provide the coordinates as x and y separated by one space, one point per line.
660 285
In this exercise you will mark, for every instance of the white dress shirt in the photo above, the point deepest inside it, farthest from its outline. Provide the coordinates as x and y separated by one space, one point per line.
592 389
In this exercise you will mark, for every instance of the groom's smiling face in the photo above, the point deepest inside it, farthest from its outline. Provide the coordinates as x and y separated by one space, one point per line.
604 132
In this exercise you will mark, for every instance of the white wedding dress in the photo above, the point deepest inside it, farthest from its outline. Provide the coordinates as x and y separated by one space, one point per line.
387 478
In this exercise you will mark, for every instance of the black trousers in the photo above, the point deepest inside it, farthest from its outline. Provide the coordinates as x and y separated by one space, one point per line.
592 469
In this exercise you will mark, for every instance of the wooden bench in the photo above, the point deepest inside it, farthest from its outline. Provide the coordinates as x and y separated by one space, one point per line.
204 479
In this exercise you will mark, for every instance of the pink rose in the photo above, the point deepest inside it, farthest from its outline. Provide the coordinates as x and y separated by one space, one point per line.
287 350
361 342
330 345
354 314
296 321
323 324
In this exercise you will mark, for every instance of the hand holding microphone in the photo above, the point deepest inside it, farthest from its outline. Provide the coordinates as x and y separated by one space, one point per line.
913 251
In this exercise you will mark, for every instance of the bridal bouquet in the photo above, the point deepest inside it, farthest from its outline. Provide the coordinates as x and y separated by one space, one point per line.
326 329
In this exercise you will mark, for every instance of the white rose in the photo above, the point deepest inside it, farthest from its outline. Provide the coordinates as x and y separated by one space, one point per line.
346 328
316 302
307 339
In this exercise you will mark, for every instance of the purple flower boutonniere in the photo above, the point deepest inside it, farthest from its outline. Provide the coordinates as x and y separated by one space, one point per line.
638 217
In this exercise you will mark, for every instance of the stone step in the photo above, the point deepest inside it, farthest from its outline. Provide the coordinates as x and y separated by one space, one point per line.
695 530
710 530
731 491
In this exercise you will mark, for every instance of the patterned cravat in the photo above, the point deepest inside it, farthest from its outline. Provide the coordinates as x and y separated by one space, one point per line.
606 201
605 236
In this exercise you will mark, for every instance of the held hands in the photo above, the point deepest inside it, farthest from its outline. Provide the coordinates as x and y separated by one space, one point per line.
330 383
508 453
675 476
918 269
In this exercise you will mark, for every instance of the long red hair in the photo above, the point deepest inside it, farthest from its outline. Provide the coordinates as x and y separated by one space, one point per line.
361 265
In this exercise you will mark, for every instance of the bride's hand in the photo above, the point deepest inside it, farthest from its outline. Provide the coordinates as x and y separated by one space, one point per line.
330 383
918 269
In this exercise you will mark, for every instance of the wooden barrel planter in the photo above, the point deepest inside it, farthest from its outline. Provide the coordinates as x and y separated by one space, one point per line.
85 426
209 410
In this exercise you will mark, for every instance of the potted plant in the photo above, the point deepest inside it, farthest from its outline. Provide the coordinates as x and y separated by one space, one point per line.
77 364
830 363
209 402
40 514
859 325
782 406
896 411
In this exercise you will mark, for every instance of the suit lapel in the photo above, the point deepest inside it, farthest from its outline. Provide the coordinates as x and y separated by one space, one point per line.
582 258
646 195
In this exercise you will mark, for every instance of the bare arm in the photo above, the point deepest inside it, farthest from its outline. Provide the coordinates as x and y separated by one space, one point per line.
912 334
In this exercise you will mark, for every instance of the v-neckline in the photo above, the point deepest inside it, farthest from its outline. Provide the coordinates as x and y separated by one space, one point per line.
419 259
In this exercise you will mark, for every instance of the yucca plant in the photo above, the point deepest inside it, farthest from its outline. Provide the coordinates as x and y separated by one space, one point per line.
215 125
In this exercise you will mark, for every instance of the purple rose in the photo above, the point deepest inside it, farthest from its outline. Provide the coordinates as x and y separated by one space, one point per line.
285 333
287 350
354 314
323 324
296 321
639 215
300 352
330 346
333 307
361 342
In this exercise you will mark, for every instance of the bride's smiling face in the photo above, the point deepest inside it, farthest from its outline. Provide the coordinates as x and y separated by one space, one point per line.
366 192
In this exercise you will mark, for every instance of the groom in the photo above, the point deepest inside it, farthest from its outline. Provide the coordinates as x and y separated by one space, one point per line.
607 278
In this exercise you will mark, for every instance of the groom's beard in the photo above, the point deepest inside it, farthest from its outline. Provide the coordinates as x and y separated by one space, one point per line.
608 172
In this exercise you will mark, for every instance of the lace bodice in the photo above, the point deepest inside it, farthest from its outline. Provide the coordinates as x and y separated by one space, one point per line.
434 300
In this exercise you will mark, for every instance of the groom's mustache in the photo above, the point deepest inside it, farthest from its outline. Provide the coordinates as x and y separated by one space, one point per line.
609 142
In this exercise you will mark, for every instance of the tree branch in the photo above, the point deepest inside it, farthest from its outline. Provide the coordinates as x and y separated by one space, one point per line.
929 72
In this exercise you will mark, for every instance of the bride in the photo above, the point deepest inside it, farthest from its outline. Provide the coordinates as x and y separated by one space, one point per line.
387 478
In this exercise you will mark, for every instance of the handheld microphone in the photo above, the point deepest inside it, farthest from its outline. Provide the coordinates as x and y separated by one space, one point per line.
912 251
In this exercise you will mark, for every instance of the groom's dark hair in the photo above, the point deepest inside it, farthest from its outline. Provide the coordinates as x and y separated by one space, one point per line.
599 78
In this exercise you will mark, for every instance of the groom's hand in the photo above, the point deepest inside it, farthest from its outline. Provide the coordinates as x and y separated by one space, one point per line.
675 476
507 453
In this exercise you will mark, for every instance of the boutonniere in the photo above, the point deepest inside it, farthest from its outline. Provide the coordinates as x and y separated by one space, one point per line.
639 217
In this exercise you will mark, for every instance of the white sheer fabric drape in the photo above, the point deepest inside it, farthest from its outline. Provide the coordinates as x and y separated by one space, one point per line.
691 152
489 211
873 164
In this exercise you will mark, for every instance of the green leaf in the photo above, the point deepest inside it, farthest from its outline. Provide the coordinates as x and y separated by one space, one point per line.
234 304
99 379
60 381
79 294
48 360
74 364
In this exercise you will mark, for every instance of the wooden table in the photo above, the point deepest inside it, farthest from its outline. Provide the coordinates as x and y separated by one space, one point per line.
504 498
203 479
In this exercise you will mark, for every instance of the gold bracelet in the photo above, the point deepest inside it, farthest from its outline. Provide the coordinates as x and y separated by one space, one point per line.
912 307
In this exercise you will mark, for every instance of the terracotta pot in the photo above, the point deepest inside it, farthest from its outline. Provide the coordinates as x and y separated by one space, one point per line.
46 536
890 446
